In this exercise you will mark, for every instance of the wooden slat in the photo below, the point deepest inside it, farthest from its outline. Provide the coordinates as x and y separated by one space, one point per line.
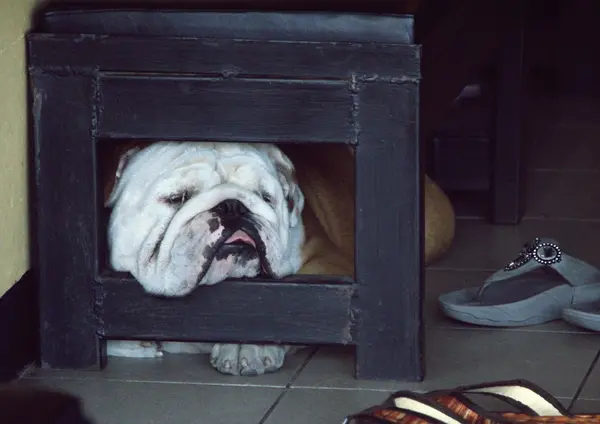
88 53
232 311
236 110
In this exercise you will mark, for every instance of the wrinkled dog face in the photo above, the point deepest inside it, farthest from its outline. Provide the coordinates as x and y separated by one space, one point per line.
188 214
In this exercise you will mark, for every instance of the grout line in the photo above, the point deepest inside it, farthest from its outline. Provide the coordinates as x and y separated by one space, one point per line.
295 376
136 381
587 399
287 387
352 389
584 381
25 376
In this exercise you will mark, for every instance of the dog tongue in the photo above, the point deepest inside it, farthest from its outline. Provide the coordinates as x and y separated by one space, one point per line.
240 237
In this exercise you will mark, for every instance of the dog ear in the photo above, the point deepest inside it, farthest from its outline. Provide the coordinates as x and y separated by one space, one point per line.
287 176
113 189
295 201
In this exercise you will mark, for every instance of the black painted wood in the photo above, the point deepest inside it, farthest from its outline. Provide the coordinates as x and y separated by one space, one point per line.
226 58
250 311
389 234
213 109
64 165
508 179
89 88
404 7
19 327
254 24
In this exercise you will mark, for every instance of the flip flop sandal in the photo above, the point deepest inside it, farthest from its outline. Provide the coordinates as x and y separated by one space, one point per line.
533 405
532 289
585 316
390 414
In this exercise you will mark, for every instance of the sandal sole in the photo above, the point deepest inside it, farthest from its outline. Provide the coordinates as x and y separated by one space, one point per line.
538 309
587 320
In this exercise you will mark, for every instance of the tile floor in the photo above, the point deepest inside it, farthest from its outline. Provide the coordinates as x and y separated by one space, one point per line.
317 385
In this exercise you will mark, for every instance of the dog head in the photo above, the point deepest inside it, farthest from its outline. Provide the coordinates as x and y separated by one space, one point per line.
190 214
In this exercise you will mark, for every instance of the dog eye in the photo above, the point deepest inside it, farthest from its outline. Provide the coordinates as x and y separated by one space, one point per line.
177 199
266 197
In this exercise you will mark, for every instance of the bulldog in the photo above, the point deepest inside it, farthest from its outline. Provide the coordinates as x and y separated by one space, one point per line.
190 214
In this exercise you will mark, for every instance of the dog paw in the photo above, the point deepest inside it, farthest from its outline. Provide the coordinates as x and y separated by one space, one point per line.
246 359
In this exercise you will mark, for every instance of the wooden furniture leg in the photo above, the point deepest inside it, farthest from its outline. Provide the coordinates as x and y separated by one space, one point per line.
508 175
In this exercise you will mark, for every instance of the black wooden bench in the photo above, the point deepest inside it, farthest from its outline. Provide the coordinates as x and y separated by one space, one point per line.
105 76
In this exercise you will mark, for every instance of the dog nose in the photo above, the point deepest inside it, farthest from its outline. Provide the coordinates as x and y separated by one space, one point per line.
231 208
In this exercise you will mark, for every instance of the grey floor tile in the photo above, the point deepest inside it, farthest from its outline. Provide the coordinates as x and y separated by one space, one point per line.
563 194
555 361
303 406
591 390
333 368
116 402
586 406
178 368
479 245
438 282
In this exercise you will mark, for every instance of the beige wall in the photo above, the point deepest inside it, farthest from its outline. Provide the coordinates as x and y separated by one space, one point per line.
14 247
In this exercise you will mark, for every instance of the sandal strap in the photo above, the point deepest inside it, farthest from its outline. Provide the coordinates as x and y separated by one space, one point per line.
452 407
469 410
387 414
543 252
365 418
519 392
423 406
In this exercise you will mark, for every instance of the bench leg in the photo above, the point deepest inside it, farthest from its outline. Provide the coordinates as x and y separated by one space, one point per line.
508 175
389 234
62 112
